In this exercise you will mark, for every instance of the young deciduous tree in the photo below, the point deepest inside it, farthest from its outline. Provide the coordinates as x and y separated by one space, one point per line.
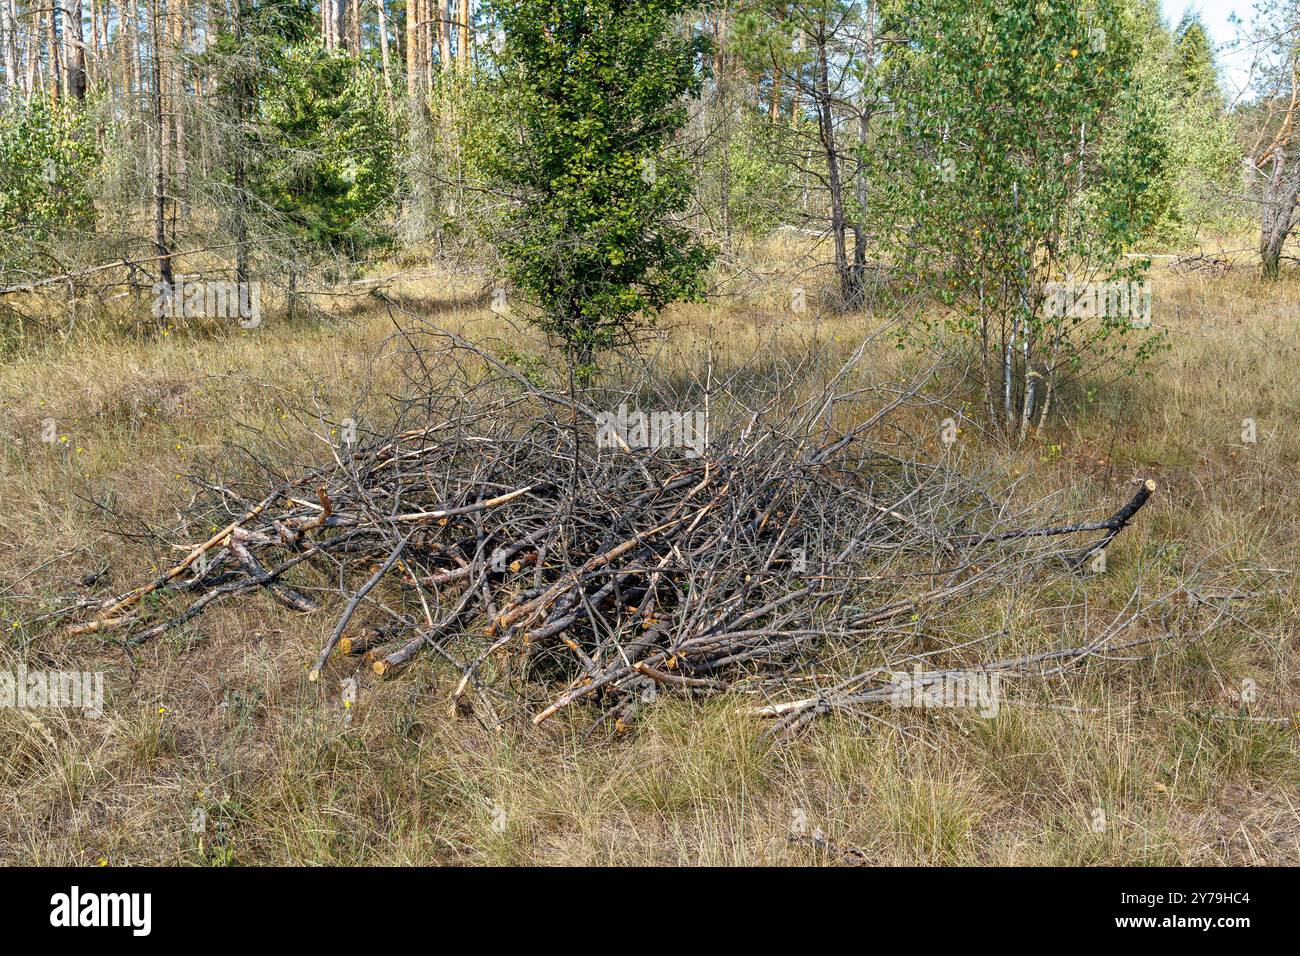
593 94
48 160
50 165
1021 151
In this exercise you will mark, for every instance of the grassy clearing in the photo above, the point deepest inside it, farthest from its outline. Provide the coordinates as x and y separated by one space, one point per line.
215 749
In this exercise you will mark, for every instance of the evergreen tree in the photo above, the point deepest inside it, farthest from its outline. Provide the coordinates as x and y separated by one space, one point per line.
593 95
1194 72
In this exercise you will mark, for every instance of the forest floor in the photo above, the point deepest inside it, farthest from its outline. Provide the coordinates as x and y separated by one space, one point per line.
215 749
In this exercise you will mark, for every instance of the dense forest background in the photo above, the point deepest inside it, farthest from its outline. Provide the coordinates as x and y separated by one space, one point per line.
298 142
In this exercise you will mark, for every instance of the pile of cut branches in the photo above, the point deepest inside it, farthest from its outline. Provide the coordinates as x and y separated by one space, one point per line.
518 533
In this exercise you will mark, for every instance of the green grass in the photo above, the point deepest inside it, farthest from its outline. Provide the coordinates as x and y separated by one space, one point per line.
222 718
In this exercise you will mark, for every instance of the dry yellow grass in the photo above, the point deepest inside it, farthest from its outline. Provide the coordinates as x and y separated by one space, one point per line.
217 730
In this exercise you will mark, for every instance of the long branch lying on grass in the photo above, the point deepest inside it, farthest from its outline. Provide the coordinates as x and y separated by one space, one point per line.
492 519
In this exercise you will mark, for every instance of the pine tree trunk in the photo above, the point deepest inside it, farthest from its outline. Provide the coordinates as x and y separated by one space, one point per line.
444 33
9 27
383 47
160 151
94 67
75 45
133 48
178 101
412 47
239 174
426 42
55 60
466 42
33 55
724 112
124 51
